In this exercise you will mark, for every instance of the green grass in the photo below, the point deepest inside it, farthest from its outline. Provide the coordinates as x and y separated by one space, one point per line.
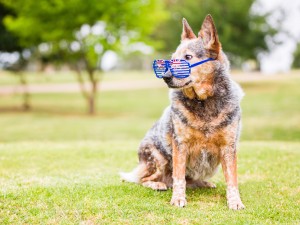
271 110
70 182
60 166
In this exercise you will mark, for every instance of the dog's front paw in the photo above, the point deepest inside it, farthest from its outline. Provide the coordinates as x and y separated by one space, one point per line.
179 201
235 204
233 198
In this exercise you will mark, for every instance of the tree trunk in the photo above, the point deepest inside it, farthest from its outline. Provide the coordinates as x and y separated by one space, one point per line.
93 92
26 95
91 105
89 94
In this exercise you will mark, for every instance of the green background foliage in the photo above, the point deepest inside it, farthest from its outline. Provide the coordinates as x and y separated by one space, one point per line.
296 62
158 23
8 41
241 32
52 22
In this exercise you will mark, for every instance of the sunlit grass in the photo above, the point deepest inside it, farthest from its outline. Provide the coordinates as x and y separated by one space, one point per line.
271 110
71 182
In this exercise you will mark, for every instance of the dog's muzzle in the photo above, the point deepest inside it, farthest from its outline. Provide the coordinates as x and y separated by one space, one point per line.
175 83
168 77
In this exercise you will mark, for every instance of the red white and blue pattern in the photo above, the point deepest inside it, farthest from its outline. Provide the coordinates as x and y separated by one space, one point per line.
179 68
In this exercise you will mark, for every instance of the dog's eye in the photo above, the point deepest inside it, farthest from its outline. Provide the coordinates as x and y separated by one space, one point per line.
188 57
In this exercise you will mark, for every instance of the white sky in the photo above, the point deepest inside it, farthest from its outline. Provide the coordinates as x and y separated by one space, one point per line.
280 58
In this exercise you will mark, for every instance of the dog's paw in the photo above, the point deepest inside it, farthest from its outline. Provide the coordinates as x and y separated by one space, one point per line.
158 186
208 185
233 198
179 201
235 204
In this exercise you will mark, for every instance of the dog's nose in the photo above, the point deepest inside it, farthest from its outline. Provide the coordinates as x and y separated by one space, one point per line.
167 79
168 74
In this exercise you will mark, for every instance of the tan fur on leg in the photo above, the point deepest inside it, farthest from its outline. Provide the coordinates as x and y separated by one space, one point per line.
179 183
230 172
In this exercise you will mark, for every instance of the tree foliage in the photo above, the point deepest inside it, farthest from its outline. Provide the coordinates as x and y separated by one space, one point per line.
59 21
8 41
241 33
9 44
80 32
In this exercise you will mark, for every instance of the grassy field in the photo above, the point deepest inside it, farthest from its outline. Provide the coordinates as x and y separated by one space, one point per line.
60 166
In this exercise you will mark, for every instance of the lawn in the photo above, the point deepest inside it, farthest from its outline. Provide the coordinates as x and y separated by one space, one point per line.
60 166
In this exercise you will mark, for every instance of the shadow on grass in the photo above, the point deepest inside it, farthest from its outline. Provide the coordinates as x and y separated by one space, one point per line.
142 194
12 109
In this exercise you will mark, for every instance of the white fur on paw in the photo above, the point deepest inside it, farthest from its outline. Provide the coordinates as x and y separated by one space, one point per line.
179 201
236 204
233 198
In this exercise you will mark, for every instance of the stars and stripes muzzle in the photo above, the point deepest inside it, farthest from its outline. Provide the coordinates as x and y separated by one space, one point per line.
179 68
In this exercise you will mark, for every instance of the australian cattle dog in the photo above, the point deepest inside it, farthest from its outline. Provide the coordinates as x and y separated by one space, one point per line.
200 129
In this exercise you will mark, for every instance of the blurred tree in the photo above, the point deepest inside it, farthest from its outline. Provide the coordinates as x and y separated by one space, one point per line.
9 44
8 41
296 62
241 32
80 32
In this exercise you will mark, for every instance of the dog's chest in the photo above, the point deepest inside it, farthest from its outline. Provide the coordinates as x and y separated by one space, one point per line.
202 142
201 127
202 166
203 154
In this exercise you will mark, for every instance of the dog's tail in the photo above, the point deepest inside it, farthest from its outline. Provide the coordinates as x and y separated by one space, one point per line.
135 175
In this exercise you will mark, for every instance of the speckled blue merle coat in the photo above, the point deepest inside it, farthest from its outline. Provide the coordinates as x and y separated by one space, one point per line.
200 129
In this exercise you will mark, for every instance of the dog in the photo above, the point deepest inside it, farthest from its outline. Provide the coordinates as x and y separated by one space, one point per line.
201 127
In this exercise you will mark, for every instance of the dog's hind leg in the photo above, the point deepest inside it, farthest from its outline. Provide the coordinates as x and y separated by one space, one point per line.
145 168
138 176
159 179
152 170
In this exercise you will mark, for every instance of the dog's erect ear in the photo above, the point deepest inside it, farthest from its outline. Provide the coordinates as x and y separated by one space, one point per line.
209 35
187 32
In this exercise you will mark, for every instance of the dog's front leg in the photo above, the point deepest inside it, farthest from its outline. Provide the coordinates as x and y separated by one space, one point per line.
179 167
229 167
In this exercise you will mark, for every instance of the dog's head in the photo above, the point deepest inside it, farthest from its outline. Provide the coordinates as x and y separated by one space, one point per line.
194 49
